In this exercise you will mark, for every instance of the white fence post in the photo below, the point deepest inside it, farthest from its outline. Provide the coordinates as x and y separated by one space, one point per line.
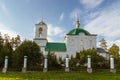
89 69
24 64
4 70
112 67
45 64
67 64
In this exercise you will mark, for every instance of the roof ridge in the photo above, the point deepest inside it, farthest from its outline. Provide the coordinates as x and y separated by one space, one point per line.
78 30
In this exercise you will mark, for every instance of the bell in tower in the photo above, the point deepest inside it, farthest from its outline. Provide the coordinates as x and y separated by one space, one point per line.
41 30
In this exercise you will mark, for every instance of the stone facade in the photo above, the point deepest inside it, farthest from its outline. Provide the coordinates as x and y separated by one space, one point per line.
75 41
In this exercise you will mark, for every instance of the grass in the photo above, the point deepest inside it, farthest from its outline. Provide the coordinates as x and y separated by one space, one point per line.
59 76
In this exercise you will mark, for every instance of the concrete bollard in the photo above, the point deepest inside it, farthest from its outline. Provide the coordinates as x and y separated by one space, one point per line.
112 67
45 64
67 64
89 69
24 69
4 70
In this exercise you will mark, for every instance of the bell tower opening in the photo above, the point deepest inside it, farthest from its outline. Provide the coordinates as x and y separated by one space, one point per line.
40 31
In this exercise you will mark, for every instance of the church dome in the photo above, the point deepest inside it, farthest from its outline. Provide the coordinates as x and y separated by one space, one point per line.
77 31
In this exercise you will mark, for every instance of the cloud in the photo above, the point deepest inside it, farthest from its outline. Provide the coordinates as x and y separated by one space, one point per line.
107 24
50 39
6 30
90 16
61 17
75 13
3 8
55 33
91 3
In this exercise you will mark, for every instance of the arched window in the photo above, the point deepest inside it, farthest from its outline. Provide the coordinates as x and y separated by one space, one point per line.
40 31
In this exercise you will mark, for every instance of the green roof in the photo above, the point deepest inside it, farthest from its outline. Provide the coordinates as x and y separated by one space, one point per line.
77 31
55 47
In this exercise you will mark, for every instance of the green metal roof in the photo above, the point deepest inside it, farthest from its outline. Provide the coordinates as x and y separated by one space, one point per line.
55 47
77 31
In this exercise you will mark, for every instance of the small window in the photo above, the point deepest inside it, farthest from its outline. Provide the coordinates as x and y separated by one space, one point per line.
81 42
90 42
72 42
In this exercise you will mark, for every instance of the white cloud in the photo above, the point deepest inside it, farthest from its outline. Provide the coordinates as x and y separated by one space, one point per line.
50 39
3 8
55 32
61 17
91 3
117 42
75 14
107 24
6 30
90 16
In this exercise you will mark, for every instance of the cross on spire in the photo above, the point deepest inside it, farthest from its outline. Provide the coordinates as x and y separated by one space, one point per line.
77 23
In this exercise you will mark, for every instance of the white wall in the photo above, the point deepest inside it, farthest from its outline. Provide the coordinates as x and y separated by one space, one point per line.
89 42
41 42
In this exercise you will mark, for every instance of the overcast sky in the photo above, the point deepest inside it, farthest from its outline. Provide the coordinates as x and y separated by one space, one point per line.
101 17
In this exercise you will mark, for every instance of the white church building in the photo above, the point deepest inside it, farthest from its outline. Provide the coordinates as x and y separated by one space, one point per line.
74 41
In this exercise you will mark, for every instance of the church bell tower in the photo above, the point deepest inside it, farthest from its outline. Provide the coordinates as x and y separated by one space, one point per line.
41 34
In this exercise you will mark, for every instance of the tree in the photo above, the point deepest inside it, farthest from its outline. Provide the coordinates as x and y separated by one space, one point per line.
6 50
15 42
53 62
1 39
114 50
29 49
97 61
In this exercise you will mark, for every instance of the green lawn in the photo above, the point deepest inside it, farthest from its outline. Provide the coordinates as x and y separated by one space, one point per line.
59 76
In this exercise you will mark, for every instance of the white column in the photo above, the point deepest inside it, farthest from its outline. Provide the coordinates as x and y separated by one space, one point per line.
112 67
25 62
111 62
6 62
45 63
4 70
67 62
89 61
89 68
